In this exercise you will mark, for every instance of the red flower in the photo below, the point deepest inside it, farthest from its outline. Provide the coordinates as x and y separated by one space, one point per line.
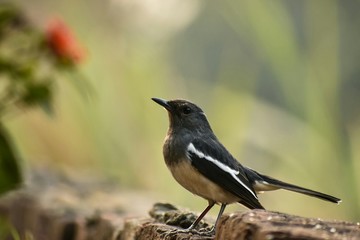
63 43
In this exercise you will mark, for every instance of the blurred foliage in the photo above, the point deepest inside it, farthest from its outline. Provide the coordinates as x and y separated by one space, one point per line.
10 175
7 230
30 60
279 81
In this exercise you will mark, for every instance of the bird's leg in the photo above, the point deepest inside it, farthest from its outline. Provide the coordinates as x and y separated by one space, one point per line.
193 225
222 208
212 230
196 222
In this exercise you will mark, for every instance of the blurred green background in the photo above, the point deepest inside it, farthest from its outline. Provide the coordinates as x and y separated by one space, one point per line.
278 80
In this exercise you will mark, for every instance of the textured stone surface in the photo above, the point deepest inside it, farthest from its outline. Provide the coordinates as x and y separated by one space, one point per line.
26 216
260 224
255 224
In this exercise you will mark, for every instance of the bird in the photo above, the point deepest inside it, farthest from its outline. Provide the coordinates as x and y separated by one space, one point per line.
202 165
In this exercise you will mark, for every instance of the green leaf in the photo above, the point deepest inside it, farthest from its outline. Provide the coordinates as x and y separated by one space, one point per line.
10 176
37 93
8 13
7 230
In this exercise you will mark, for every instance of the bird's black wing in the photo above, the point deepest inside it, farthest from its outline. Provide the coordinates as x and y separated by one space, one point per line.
214 162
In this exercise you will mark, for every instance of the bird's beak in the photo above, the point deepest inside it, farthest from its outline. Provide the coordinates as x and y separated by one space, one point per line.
163 103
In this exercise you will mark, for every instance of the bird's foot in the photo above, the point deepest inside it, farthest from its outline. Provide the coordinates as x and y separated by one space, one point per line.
208 231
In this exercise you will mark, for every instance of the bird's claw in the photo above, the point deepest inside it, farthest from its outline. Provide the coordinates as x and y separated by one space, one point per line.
208 231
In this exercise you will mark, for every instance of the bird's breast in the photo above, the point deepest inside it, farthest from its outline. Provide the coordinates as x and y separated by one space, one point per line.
174 147
188 177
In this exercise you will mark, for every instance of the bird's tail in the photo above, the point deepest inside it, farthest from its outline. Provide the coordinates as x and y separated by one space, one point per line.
263 182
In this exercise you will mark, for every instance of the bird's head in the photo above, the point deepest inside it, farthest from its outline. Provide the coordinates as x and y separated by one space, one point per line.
184 115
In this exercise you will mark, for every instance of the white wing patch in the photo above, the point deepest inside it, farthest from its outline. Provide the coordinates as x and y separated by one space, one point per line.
261 186
232 172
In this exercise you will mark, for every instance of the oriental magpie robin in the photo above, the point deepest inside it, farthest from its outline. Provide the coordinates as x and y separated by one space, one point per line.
202 165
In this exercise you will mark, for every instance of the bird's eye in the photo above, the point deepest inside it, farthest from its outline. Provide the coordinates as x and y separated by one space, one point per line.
186 110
